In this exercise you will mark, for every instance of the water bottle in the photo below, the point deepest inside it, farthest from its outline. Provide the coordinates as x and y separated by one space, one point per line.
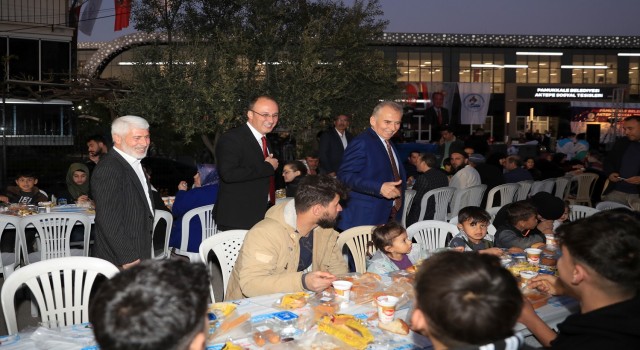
62 201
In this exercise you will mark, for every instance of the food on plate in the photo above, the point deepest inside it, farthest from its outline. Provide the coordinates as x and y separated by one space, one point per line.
371 275
537 299
396 326
538 245
411 269
258 338
325 308
231 324
515 250
548 260
224 309
346 328
294 300
271 336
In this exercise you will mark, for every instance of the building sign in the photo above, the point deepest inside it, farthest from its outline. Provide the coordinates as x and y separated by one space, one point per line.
565 93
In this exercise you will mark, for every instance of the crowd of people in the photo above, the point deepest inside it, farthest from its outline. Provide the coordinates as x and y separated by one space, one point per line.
360 180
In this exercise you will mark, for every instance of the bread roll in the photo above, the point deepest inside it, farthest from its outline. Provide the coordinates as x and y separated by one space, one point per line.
396 326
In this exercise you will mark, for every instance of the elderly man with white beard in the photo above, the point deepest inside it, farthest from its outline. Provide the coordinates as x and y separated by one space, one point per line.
124 209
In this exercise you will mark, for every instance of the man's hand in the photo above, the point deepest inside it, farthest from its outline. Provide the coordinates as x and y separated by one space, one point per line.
546 283
614 177
318 281
272 161
4 199
536 325
389 190
131 264
634 180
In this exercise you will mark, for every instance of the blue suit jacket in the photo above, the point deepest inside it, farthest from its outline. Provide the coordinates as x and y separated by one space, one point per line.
365 167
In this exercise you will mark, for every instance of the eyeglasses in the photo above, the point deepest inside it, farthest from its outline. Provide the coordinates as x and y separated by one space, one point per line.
266 115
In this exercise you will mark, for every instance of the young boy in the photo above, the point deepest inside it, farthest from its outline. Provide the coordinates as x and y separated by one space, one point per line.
25 192
466 300
473 223
520 232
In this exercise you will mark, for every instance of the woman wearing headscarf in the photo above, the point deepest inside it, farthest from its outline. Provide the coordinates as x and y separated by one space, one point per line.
78 187
204 192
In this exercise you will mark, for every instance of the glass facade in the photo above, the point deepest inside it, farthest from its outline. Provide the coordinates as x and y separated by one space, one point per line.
477 68
634 75
540 69
421 65
607 75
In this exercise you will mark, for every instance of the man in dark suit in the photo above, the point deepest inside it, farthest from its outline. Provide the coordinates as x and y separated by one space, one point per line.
438 116
376 180
124 209
333 142
246 167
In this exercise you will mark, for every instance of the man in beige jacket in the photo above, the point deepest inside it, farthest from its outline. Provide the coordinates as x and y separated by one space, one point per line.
292 237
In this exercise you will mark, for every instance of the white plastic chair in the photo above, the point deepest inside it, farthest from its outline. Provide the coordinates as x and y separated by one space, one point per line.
431 234
408 200
54 231
562 187
357 240
226 247
493 212
442 196
61 288
607 205
207 224
586 184
10 261
542 186
580 211
168 218
523 191
465 197
507 193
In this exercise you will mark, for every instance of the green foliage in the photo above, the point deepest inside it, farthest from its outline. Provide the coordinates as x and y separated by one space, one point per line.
311 56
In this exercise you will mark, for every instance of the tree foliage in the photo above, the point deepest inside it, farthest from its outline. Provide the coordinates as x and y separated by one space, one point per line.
313 57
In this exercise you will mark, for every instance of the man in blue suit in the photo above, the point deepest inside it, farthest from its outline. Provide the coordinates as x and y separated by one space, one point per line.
376 189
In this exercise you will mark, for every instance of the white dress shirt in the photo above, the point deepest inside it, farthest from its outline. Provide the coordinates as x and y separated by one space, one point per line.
137 167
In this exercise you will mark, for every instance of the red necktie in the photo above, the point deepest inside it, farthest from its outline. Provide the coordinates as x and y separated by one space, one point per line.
272 184
439 117
397 203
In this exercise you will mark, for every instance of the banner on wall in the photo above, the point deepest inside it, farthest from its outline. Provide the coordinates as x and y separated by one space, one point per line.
418 95
602 113
474 102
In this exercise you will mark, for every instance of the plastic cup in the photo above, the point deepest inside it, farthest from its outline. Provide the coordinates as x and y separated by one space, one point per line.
525 276
552 243
343 289
386 308
533 255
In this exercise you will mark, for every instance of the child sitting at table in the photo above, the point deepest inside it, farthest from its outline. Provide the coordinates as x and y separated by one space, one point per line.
395 251
466 300
77 190
519 232
293 172
473 223
26 191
